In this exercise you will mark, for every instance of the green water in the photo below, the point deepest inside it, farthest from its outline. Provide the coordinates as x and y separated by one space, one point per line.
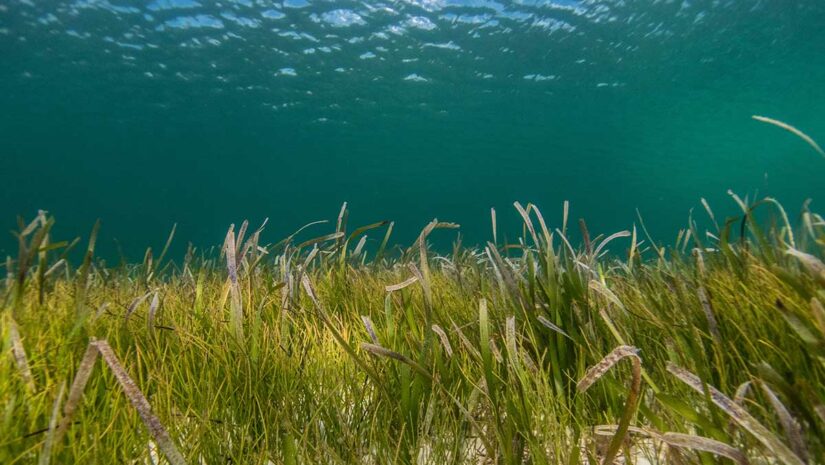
206 113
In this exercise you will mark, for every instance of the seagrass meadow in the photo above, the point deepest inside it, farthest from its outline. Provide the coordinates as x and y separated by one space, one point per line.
324 350
655 296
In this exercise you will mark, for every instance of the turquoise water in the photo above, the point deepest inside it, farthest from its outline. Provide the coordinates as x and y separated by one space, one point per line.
200 113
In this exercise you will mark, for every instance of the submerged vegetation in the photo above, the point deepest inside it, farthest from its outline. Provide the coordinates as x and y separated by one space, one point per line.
328 351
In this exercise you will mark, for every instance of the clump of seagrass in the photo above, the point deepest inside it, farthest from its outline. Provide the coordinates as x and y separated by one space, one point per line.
739 415
682 441
156 430
634 391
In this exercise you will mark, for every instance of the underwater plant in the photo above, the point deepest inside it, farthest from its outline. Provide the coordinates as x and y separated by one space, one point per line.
329 350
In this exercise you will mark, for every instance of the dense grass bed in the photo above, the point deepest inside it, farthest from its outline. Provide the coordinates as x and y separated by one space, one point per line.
710 350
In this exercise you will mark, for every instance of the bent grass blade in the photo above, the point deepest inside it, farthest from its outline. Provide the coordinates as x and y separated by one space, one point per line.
792 130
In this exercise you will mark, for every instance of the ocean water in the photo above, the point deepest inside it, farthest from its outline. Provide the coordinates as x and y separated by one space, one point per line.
204 113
